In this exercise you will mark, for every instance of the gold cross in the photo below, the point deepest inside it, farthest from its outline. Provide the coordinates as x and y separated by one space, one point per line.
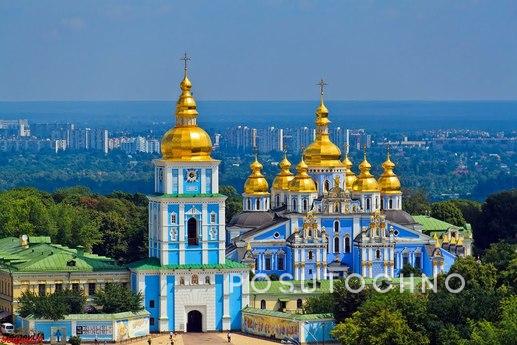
185 59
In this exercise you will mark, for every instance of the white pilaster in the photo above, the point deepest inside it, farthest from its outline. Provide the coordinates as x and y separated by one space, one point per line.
180 180
163 320
226 302
181 239
164 234
203 181
204 232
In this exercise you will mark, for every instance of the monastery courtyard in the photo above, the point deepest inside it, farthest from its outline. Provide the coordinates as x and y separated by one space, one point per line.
204 338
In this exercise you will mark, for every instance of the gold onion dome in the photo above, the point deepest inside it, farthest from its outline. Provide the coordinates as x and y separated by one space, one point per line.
389 182
302 182
365 182
256 183
186 141
350 177
322 152
284 176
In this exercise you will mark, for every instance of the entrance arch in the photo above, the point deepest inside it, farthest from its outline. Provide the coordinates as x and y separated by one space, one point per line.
194 321
192 231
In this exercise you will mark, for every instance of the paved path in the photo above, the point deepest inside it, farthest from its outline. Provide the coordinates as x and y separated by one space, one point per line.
202 339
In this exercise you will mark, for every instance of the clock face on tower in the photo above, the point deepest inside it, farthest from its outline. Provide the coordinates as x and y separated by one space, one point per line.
191 175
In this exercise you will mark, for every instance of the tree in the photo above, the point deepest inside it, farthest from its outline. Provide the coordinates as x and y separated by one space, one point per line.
476 274
345 301
320 304
470 209
498 220
51 306
448 212
116 298
408 270
233 202
416 202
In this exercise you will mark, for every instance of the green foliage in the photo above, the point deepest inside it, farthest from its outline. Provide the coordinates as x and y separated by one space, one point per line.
346 302
319 304
476 274
416 202
75 340
409 270
498 220
233 203
51 306
116 298
504 258
448 212
470 209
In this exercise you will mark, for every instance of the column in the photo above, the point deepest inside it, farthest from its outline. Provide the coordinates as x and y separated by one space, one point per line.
164 233
203 181
318 264
222 232
181 233
226 302
180 180
296 261
167 180
164 321
215 179
140 278
204 233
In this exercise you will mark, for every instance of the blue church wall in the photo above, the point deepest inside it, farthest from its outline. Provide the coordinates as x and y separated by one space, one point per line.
174 181
173 253
404 232
236 302
191 187
219 301
208 179
152 293
193 256
448 259
213 256
170 300
270 234
427 269
45 327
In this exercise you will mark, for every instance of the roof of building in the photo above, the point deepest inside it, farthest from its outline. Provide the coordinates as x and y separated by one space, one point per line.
251 219
282 288
41 255
290 316
154 264
104 317
400 217
432 224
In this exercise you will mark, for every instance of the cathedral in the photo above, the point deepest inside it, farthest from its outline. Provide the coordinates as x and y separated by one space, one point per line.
322 221
325 221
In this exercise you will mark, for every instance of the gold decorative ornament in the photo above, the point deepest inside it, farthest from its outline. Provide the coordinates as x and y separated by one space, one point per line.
389 183
256 183
366 182
349 174
302 182
285 176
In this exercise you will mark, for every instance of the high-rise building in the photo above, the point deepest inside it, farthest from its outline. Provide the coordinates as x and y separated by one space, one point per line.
270 139
304 136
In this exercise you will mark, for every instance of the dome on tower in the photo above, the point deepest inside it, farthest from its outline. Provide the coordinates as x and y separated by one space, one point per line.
322 152
302 182
186 141
284 176
256 183
365 182
350 177
389 183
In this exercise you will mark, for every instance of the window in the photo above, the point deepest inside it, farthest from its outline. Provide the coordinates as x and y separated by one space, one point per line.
257 263
310 233
207 280
310 271
336 207
194 280
377 254
75 287
405 259
390 203
276 235
192 231
327 185
282 305
212 217
347 244
151 321
41 289
182 281
367 203
249 204
310 255
336 226
91 289
268 264
262 304
173 218
418 260
294 204
280 263
336 244
277 200
59 287
151 303
305 205
258 204
376 203
299 303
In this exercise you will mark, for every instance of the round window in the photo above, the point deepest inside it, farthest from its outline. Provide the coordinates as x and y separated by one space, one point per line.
276 235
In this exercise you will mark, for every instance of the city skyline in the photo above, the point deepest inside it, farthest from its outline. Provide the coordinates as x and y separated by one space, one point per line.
364 50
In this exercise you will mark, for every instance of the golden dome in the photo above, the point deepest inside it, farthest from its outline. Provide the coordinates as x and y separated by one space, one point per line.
389 182
322 152
186 141
350 177
302 182
365 182
256 183
284 176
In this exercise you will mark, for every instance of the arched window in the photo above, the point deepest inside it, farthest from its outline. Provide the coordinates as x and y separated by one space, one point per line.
336 226
262 304
294 204
192 231
336 244
207 280
327 185
258 204
347 244
182 281
367 204
310 233
277 200
376 203
249 204
336 207
377 254
390 203
194 280
316 184
382 204
305 205
299 303
310 255
173 218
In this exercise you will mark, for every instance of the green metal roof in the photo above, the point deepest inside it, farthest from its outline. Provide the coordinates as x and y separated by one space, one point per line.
154 264
43 256
290 316
432 224
104 317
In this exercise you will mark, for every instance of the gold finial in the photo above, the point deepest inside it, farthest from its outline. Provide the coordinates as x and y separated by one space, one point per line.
364 151
322 85
347 147
248 246
185 59
388 150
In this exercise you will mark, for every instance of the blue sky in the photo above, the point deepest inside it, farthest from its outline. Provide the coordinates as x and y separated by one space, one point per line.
258 50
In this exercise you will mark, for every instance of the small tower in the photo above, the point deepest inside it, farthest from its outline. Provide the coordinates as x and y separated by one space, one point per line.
256 189
350 177
302 190
281 183
389 184
366 187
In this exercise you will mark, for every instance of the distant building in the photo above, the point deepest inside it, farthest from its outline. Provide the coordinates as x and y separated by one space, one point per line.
270 139
14 128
